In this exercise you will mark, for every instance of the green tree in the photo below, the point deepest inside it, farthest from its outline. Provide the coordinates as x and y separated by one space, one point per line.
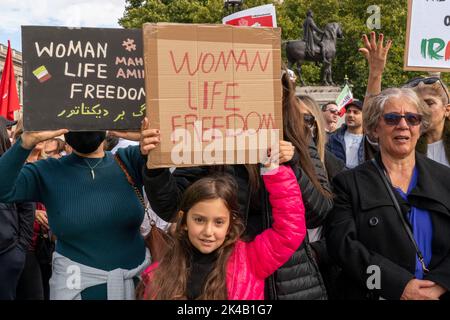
290 16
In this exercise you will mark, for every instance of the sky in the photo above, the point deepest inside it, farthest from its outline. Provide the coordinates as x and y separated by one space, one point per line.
70 13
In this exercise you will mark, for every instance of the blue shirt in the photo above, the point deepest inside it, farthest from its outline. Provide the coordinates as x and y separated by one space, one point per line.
422 228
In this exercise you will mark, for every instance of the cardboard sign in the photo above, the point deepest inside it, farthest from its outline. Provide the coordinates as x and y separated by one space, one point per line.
214 91
82 78
428 36
262 16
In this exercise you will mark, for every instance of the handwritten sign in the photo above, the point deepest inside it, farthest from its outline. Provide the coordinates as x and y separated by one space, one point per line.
214 91
428 36
82 78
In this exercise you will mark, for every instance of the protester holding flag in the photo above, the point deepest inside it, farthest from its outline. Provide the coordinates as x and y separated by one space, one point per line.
9 100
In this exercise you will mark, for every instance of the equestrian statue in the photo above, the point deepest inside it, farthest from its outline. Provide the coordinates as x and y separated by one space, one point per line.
317 46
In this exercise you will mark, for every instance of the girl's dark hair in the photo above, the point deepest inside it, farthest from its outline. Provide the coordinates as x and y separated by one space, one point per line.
169 280
296 132
5 143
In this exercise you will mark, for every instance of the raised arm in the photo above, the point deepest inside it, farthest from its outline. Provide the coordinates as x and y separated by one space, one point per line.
273 247
376 56
19 182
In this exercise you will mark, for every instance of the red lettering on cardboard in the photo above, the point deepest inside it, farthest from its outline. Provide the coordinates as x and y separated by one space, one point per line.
228 96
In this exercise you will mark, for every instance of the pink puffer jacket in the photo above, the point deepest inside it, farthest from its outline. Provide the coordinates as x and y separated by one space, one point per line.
252 262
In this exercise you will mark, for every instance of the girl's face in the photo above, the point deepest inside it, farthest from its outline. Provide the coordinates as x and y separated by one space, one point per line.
207 224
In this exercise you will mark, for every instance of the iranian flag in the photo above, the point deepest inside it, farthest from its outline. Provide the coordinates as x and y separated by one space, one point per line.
344 98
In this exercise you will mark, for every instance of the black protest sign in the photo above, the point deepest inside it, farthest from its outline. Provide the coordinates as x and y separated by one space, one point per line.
82 78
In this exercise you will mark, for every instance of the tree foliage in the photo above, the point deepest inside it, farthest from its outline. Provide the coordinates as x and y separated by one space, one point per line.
290 16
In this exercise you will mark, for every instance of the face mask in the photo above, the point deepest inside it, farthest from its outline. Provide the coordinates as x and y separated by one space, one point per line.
85 142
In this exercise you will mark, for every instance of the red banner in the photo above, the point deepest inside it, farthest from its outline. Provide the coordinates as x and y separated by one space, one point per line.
9 99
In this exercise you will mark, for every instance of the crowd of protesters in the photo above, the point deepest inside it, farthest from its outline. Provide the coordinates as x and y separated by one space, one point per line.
329 208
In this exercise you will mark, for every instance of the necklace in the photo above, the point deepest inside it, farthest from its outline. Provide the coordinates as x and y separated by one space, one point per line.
92 168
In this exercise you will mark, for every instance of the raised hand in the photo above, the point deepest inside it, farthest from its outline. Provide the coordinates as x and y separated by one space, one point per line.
375 52
31 138
376 55
150 138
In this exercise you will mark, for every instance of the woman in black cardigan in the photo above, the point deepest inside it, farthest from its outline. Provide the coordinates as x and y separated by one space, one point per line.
365 233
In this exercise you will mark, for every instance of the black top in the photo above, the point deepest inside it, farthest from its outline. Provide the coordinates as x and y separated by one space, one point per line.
201 266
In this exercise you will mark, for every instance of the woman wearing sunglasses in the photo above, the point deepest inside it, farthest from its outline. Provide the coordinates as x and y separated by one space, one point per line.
389 229
435 142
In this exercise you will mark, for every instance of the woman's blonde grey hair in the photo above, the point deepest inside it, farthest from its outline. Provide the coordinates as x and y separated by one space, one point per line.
321 137
374 110
437 89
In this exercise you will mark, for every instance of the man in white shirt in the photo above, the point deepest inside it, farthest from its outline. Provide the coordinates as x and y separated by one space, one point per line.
346 143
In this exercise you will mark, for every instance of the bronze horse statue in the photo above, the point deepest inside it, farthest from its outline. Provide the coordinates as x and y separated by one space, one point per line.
295 52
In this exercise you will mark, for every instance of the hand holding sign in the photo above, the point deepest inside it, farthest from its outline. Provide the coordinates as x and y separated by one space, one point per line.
31 139
285 152
150 138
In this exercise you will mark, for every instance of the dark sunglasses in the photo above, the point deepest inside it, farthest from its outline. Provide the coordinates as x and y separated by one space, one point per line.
430 80
309 119
333 111
393 119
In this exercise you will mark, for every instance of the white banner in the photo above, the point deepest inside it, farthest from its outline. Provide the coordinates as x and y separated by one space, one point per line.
428 37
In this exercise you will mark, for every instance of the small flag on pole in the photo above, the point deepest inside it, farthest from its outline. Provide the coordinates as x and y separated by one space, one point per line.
344 98
9 99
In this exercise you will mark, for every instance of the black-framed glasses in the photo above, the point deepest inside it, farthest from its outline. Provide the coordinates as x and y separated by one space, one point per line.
393 119
429 80
309 119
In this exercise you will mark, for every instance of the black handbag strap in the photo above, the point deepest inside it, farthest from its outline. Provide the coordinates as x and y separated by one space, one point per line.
387 184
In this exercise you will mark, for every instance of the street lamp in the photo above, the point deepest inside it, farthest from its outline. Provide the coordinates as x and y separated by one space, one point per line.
235 5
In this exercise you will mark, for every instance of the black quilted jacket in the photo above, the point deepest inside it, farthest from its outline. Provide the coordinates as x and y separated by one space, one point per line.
299 277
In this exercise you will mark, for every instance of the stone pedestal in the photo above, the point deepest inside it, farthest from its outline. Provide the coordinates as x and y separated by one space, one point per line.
322 94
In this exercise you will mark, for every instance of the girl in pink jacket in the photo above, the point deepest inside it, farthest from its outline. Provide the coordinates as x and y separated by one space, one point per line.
209 260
